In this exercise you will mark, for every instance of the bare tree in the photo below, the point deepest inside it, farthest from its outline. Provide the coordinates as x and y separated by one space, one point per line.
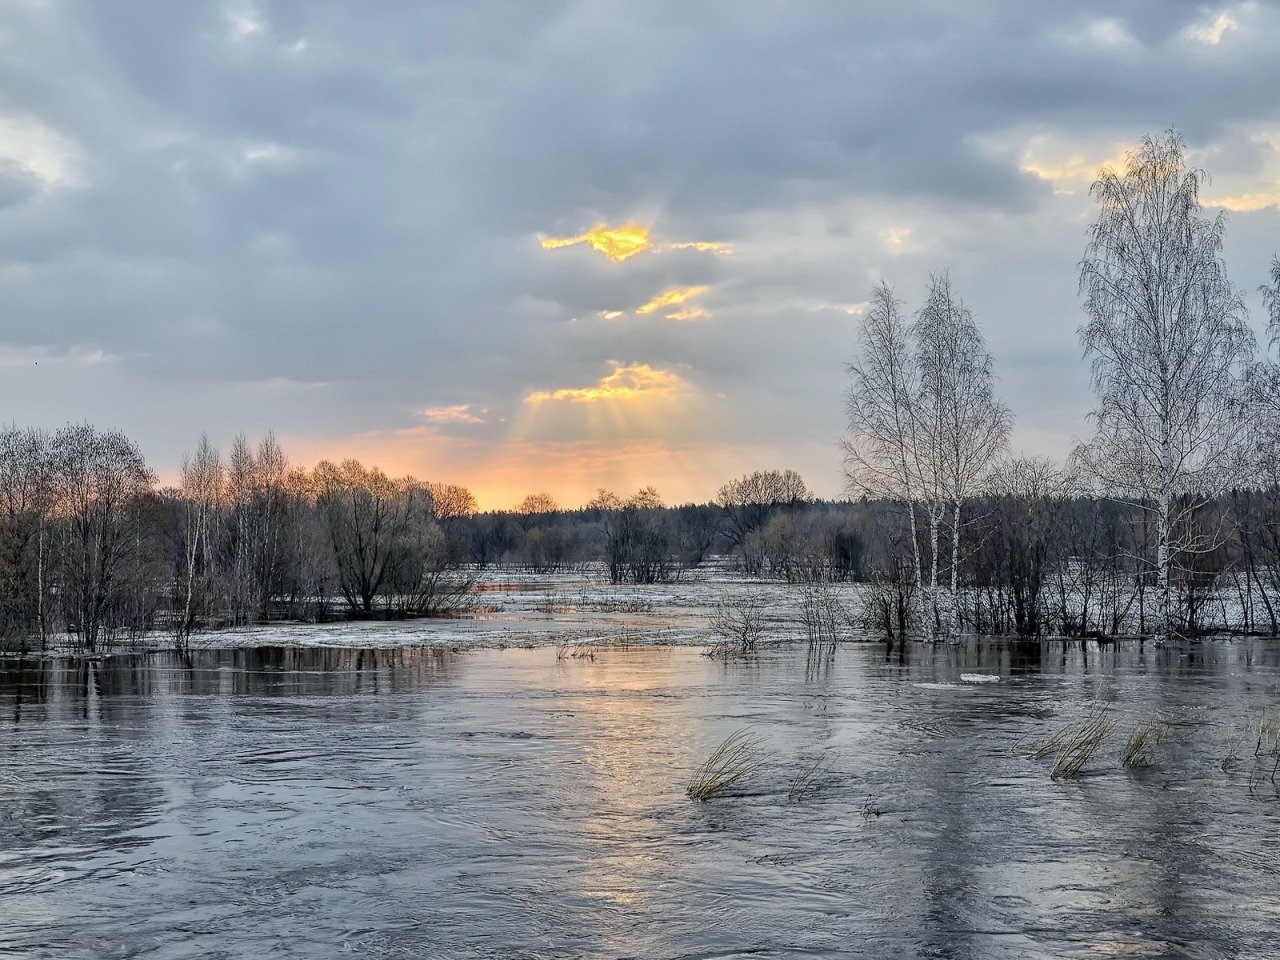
925 425
962 427
450 502
366 514
880 451
99 479
1170 347
751 499
26 498
202 494
540 502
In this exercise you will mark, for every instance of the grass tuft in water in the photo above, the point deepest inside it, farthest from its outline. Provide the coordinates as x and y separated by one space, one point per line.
1077 745
1147 735
731 765
807 779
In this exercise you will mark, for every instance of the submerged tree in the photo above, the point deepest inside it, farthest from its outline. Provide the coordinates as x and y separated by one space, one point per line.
1170 347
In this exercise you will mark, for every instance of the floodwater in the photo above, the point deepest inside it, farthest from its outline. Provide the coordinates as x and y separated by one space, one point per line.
426 804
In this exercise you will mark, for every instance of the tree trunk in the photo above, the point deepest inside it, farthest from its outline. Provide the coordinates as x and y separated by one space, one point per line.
1162 569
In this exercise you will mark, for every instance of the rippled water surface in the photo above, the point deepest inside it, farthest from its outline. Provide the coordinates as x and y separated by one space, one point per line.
284 803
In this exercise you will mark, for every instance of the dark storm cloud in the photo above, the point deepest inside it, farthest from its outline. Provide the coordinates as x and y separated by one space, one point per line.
324 217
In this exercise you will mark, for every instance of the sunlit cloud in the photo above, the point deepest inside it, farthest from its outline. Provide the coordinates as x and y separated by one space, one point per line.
616 243
1246 202
689 313
622 243
637 381
457 413
1069 173
672 298
611 314
1212 34
721 249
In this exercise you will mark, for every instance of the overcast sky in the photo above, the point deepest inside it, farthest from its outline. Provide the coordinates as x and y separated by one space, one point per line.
354 223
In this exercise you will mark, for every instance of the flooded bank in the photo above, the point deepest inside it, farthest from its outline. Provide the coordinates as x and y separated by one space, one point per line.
509 803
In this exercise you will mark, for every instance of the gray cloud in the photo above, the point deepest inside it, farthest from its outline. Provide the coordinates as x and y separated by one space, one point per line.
324 218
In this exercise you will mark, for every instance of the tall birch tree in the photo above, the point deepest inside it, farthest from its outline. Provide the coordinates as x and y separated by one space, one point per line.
1170 347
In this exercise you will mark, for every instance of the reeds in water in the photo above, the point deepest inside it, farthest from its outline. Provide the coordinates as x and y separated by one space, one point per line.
1075 746
1147 735
807 779
730 766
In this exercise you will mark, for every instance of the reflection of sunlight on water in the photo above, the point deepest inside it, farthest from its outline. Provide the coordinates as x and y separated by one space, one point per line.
623 732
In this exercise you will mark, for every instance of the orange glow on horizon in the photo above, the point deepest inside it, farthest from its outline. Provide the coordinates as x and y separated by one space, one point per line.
499 475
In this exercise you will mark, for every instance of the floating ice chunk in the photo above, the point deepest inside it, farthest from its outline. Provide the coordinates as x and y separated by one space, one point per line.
979 678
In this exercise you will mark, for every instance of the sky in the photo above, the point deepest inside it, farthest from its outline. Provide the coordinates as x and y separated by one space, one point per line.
524 246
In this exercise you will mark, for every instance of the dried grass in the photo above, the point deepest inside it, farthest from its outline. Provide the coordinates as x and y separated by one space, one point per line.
807 779
1077 745
731 765
1146 737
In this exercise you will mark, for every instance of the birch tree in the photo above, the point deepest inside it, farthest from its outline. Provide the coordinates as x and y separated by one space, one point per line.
925 426
882 406
202 492
962 427
1169 344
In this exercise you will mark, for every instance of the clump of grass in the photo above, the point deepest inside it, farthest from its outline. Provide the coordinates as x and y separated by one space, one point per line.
731 765
1265 734
1232 755
1080 743
807 779
1139 750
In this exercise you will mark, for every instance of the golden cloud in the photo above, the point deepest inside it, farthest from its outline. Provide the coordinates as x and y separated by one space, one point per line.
616 243
635 381
622 243
671 298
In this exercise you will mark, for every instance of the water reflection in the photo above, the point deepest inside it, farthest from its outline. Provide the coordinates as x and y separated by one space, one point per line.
302 803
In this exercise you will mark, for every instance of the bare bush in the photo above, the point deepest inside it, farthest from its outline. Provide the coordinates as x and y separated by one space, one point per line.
739 623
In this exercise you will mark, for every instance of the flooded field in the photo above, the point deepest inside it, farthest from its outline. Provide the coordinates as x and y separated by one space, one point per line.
524 803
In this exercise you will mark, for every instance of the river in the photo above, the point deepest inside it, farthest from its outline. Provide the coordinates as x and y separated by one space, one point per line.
521 803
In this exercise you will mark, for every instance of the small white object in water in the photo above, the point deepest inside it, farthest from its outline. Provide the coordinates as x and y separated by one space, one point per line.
979 678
